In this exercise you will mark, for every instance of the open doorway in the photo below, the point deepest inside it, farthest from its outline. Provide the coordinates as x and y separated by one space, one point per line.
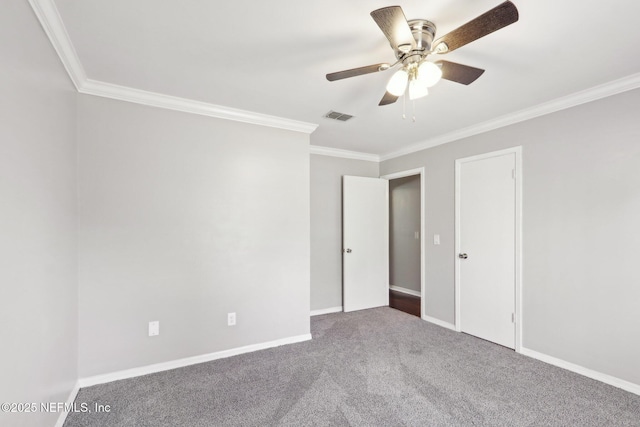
405 242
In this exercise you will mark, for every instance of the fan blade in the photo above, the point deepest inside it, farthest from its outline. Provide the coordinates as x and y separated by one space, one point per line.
393 24
459 73
357 71
498 17
388 99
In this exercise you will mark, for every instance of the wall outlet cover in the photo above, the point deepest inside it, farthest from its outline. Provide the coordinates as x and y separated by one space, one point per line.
231 319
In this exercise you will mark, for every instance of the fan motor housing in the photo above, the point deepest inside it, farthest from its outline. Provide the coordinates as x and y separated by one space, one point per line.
423 32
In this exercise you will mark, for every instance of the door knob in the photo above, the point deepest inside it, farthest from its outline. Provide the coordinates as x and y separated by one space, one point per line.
348 250
463 256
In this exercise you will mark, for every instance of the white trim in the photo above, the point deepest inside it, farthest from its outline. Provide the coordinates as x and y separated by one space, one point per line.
345 154
53 26
72 398
405 290
438 322
123 93
519 248
518 237
592 94
403 174
326 311
49 17
423 249
590 373
179 363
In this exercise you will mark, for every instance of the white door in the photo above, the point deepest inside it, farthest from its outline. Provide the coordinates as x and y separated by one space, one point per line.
365 242
487 247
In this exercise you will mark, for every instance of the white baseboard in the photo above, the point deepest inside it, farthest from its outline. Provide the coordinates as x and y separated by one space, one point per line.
179 363
405 290
326 311
598 376
72 398
439 322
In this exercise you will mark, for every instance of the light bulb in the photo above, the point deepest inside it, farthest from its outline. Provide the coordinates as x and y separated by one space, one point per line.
398 82
417 89
429 73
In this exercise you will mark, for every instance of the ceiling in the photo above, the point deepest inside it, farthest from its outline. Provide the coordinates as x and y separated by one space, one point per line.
272 57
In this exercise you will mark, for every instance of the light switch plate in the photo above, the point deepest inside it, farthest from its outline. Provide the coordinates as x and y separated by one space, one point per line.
154 328
436 239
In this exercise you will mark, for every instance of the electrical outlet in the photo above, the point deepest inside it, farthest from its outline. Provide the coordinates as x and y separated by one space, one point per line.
231 319
154 328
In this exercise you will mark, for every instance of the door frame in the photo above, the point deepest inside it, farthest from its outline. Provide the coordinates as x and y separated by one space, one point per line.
518 236
404 174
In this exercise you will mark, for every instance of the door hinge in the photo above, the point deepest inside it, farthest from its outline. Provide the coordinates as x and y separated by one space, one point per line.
513 174
513 318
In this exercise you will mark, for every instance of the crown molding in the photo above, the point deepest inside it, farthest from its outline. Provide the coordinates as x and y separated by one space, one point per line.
123 93
345 154
51 22
602 91
49 17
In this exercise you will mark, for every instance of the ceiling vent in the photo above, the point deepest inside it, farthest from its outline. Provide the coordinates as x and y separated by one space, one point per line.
338 116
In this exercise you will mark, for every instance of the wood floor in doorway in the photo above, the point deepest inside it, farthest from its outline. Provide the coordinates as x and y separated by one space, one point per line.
404 302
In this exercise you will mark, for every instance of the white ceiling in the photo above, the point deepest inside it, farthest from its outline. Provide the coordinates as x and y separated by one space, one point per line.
272 57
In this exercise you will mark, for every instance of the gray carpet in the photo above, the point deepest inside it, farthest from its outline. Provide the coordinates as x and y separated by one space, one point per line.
378 367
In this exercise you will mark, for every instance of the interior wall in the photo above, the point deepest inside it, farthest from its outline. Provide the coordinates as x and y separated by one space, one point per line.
581 234
38 279
404 223
183 219
326 225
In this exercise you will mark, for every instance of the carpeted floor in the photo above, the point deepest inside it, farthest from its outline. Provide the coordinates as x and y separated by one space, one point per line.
377 367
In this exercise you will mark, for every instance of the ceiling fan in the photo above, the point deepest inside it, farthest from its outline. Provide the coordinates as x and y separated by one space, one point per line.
412 41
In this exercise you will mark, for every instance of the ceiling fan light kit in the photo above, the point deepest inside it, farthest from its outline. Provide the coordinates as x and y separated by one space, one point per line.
429 73
416 78
412 43
398 82
417 90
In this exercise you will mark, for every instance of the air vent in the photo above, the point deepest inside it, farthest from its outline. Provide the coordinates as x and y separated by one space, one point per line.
338 116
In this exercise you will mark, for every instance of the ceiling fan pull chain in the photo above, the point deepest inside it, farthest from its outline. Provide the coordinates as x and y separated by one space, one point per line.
404 108
414 111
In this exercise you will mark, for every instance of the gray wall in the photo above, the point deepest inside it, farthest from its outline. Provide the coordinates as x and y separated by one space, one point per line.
326 225
38 280
404 222
581 233
183 219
